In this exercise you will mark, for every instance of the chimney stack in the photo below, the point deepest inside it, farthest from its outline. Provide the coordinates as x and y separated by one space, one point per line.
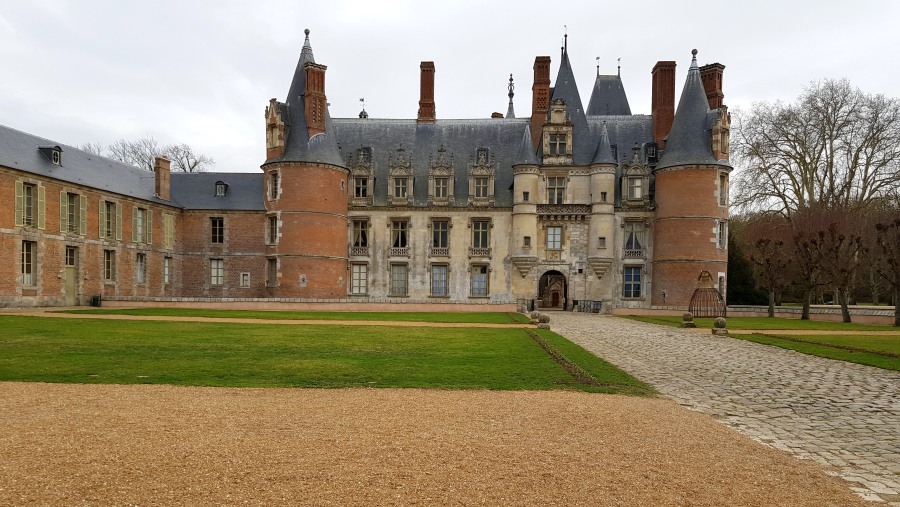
314 102
426 93
540 98
711 76
663 100
161 169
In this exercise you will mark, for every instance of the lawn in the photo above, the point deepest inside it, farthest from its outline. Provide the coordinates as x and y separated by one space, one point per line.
247 355
442 317
872 350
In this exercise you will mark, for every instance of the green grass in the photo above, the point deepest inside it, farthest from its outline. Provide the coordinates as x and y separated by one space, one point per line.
878 351
765 323
247 355
442 317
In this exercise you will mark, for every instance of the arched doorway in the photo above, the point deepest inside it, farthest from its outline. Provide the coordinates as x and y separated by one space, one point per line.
552 288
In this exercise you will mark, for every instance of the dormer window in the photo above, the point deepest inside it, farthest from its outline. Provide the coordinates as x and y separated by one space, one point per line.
221 188
53 154
558 144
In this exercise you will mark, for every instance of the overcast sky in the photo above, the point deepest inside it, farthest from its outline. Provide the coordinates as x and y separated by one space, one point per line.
202 72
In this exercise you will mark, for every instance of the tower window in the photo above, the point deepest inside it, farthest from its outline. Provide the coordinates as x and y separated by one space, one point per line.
558 144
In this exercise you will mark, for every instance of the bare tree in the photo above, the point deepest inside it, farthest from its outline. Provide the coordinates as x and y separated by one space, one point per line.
841 247
888 266
140 152
770 261
95 148
184 159
836 147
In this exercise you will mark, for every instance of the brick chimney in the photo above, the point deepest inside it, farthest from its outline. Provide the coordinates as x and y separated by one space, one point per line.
663 100
426 93
711 75
314 98
540 98
161 169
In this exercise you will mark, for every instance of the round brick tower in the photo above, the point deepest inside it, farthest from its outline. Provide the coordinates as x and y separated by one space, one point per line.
691 224
306 191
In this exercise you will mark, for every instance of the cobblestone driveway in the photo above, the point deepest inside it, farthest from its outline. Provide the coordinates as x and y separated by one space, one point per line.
844 416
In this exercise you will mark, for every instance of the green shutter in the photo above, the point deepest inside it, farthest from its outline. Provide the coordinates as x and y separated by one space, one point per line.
102 228
63 211
134 222
20 203
42 205
148 218
82 215
118 221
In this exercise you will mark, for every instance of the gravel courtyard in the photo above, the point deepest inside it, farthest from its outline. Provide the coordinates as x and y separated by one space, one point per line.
165 445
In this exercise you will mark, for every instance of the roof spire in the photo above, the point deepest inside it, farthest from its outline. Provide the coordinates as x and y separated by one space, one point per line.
694 59
565 38
307 48
509 110
598 66
619 72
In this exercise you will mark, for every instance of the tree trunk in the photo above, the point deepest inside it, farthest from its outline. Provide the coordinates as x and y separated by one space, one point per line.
842 295
771 302
807 294
896 305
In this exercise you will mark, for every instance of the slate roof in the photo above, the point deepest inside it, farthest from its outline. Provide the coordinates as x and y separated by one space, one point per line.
565 88
608 97
19 150
604 153
461 139
690 139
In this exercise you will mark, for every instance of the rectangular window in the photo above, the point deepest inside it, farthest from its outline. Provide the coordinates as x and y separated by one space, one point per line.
632 282
722 234
360 187
481 237
274 185
526 242
601 242
558 144
140 268
398 279
29 216
602 196
29 263
440 237
481 187
169 230
71 256
141 225
554 237
400 187
723 189
556 189
272 272
167 270
217 271
439 280
109 265
69 212
441 188
245 279
359 279
217 225
634 238
272 229
479 281
399 237
361 233
635 188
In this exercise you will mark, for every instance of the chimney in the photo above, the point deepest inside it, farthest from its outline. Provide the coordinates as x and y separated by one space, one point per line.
663 100
161 169
711 75
540 98
274 130
426 93
314 98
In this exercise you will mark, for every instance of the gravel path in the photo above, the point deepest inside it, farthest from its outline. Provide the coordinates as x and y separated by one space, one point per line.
104 445
844 416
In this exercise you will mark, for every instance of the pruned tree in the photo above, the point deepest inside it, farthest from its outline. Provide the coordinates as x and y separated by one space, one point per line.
841 247
888 265
770 262
835 147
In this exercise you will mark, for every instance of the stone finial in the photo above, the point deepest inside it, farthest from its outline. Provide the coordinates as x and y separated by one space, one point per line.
687 320
719 326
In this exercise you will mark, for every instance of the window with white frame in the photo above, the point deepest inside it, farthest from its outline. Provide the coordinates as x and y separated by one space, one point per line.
217 230
359 279
72 209
440 187
141 225
272 229
140 268
634 238
631 286
274 185
400 187
556 189
479 281
635 188
361 186
167 270
554 237
723 189
439 285
722 234
482 184
399 236
109 265
217 271
245 279
29 263
399 279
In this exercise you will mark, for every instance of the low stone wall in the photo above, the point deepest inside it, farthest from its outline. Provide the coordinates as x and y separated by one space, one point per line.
308 305
860 314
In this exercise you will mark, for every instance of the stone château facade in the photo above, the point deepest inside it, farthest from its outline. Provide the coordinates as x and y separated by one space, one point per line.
564 208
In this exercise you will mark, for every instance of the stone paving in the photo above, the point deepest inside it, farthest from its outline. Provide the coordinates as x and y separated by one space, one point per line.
844 416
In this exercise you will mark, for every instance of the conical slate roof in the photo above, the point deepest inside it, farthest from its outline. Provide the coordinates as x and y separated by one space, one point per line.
604 154
525 155
566 89
690 139
298 146
608 97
